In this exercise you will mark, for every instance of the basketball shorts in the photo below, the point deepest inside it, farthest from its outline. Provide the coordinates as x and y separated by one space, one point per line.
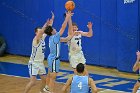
76 58
36 68
53 65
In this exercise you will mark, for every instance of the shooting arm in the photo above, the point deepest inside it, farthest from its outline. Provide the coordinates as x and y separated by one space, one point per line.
70 28
68 15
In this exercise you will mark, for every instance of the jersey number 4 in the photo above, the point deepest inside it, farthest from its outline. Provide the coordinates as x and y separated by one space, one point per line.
80 85
78 43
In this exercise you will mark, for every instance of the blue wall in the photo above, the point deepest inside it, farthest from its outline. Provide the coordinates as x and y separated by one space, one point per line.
115 26
127 41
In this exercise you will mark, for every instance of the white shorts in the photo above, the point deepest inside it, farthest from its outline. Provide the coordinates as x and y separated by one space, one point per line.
76 58
36 68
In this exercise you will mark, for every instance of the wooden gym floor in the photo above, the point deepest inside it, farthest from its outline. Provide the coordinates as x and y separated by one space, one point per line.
12 84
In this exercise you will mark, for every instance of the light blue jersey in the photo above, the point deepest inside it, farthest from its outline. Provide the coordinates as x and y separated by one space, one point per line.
79 84
53 58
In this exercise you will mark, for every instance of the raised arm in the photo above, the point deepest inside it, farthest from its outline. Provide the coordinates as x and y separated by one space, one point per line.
137 63
65 87
68 15
90 32
70 28
70 32
49 22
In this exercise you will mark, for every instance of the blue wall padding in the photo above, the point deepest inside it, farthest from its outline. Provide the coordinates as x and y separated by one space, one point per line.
127 18
115 26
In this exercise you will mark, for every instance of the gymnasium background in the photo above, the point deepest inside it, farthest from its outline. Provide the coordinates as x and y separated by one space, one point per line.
115 26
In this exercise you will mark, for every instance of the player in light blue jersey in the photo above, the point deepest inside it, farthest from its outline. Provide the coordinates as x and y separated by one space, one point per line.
36 65
135 68
80 83
54 45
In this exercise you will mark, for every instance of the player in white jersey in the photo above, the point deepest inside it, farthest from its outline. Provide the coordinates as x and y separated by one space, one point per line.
80 83
76 55
135 68
36 65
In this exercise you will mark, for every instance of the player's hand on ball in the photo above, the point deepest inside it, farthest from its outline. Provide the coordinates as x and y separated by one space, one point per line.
68 14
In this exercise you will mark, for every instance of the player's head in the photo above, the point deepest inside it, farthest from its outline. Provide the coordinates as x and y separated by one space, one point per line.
38 30
49 30
80 68
75 26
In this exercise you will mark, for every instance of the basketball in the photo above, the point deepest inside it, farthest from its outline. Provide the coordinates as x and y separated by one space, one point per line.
69 5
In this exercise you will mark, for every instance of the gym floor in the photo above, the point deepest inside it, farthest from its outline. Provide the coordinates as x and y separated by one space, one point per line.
16 84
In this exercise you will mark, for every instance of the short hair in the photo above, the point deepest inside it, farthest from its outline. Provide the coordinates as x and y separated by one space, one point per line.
74 24
36 29
80 68
48 30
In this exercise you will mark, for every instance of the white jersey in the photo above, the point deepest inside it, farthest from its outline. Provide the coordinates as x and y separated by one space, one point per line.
75 44
38 51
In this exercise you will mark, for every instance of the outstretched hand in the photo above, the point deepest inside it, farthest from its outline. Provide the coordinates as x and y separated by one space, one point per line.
49 22
89 25
52 14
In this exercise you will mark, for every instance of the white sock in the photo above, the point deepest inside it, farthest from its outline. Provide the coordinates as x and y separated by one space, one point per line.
46 88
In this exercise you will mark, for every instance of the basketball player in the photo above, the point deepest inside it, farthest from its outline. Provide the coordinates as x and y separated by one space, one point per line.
135 68
76 55
54 45
36 65
80 83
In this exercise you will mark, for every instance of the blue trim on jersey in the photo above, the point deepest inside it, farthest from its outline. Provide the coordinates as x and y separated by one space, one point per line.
31 69
37 45
34 52
43 46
